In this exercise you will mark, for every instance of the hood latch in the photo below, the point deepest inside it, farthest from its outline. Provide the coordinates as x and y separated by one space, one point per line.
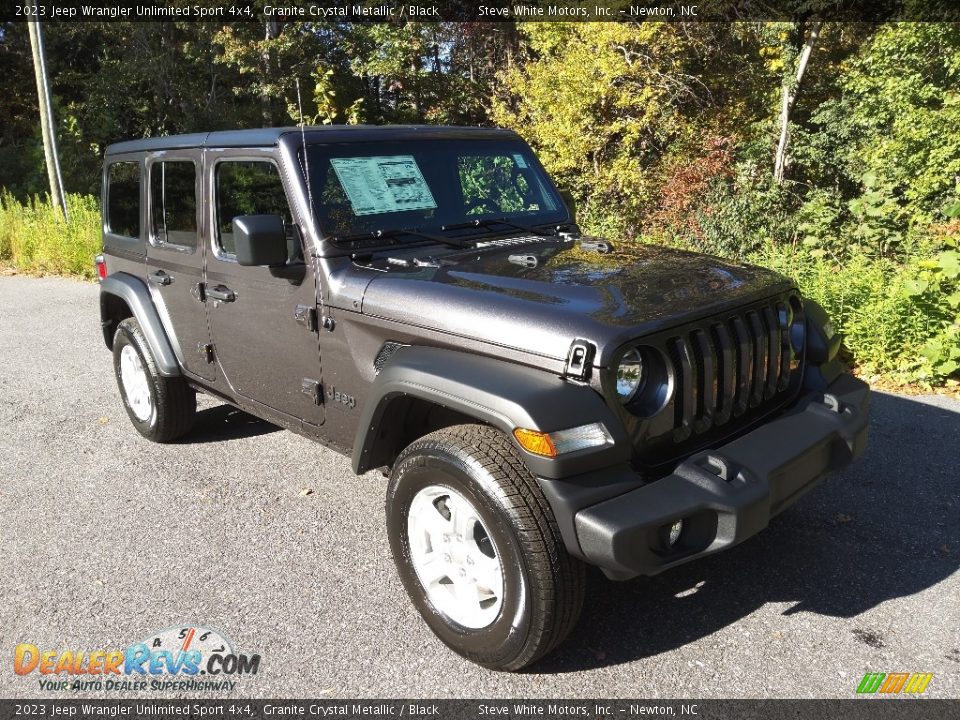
579 360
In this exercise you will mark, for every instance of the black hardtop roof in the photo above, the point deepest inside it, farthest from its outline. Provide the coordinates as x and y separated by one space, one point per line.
266 137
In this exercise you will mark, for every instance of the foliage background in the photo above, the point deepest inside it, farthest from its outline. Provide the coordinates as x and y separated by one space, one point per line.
664 133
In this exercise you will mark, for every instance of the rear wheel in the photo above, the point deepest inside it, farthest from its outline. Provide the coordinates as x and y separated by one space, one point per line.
160 408
478 550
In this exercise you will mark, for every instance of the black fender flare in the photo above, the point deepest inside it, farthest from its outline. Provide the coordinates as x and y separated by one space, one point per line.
502 394
135 293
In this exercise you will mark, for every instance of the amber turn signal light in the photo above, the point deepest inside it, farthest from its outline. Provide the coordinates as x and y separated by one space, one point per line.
560 442
538 443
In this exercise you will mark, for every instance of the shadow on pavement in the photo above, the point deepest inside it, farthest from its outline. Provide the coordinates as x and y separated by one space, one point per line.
886 527
225 422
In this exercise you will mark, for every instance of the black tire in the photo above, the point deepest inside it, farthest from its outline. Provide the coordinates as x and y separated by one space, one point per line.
174 403
543 586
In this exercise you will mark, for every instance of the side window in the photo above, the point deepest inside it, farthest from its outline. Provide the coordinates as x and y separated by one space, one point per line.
500 184
173 202
123 199
251 187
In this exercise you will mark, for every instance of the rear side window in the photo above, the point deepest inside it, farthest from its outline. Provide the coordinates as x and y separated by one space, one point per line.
251 187
173 202
123 199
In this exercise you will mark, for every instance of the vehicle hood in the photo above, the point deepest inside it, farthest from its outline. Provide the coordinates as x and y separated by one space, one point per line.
571 293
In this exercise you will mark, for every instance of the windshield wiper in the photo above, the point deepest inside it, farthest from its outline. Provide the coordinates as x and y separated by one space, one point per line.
499 221
396 232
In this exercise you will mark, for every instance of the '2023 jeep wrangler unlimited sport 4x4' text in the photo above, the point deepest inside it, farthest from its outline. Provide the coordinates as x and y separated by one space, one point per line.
421 299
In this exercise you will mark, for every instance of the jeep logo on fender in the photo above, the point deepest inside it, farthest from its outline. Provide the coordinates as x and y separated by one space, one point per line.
349 400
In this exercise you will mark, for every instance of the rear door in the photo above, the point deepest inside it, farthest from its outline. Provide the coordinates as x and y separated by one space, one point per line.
262 341
175 255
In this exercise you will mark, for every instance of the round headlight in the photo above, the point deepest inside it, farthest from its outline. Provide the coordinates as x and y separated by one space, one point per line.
630 375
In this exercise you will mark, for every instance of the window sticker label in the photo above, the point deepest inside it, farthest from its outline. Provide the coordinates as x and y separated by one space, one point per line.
518 159
382 184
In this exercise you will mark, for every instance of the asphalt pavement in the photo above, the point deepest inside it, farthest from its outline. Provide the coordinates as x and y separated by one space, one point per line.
269 538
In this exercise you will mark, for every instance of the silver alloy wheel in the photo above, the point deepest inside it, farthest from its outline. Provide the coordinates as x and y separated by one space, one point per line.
454 556
136 384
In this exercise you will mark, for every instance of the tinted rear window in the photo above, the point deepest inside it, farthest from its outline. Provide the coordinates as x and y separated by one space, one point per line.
173 202
123 199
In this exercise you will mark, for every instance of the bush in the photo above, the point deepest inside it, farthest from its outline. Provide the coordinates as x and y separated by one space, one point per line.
891 322
35 239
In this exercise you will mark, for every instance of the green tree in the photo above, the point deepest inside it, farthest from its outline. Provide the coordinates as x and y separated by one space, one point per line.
605 103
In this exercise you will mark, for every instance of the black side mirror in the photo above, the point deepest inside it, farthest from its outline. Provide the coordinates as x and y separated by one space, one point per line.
260 240
570 202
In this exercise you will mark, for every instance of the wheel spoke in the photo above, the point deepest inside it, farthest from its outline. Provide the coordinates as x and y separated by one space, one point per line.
487 572
462 519
436 527
432 568
466 594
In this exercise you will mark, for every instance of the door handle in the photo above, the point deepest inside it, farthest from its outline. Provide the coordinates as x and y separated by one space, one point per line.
161 278
221 293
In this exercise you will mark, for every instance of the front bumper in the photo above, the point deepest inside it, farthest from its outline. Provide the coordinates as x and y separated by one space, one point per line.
728 494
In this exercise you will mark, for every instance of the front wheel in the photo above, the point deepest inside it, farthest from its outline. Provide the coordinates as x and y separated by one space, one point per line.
478 549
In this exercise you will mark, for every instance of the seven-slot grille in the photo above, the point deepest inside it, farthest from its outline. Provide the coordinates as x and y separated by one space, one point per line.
724 368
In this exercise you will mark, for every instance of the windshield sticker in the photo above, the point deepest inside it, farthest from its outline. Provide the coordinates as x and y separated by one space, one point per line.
382 184
518 159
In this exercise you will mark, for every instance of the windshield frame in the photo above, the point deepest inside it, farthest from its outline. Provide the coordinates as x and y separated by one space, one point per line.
319 152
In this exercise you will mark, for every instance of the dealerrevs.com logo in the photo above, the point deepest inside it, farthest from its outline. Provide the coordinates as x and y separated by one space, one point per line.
184 658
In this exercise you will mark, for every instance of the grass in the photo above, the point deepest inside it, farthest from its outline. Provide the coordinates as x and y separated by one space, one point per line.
35 239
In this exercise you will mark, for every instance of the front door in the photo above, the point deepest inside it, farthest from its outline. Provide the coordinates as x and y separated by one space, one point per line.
266 352
175 255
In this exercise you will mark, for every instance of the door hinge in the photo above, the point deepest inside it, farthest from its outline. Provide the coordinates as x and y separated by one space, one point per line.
306 316
312 389
206 350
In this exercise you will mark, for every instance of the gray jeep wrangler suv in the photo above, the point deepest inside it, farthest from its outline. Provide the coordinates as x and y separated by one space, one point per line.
422 300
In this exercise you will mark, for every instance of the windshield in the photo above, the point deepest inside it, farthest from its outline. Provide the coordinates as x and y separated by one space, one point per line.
427 185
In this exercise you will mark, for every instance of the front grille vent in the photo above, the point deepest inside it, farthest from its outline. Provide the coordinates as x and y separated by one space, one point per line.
725 368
